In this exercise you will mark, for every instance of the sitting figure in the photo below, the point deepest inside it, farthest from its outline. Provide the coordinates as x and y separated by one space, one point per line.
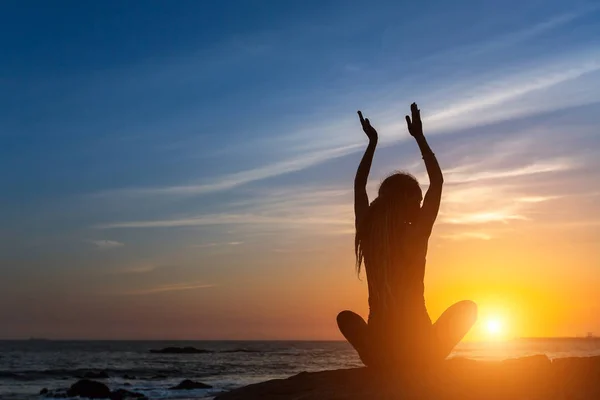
391 240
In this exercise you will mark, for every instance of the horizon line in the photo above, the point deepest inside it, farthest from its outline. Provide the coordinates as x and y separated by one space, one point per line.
41 339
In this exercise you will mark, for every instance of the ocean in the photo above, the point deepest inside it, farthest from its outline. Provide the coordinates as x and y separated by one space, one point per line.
28 366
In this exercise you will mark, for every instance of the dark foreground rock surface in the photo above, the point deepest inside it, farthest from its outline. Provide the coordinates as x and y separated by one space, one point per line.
530 378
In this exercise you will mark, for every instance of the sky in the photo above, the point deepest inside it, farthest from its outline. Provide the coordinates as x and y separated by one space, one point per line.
184 170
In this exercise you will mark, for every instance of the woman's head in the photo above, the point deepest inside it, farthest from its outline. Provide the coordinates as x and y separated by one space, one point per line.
402 189
397 205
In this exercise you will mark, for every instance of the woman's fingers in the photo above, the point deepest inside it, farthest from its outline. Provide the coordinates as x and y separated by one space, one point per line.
416 114
408 123
366 124
362 120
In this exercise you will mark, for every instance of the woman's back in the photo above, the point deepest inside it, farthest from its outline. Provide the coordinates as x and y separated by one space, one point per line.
393 246
394 263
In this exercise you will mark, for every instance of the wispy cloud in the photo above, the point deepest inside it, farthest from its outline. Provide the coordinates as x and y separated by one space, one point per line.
517 37
498 98
240 178
222 219
106 244
206 245
483 217
536 199
170 288
479 199
468 236
474 195
287 208
506 97
473 172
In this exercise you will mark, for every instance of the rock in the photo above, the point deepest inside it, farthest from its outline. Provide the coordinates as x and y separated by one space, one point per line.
122 394
129 377
241 350
189 385
95 375
531 378
44 391
89 389
180 350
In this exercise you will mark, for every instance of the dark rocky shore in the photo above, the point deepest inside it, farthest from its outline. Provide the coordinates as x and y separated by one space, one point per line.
531 378
89 389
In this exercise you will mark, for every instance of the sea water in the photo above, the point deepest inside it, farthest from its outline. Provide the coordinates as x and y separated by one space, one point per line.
28 366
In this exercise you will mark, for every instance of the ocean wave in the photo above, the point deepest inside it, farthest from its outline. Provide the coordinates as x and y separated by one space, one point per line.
93 373
194 350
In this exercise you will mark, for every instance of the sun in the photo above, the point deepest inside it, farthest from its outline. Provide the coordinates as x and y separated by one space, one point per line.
494 327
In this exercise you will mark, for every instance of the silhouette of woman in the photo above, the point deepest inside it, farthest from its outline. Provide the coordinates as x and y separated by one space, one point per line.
391 240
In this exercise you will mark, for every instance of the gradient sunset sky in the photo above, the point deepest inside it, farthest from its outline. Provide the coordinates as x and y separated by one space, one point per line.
184 169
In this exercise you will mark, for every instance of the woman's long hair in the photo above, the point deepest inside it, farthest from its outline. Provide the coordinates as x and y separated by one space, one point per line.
381 232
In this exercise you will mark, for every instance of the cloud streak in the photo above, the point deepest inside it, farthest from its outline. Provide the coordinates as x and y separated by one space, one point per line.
480 198
473 173
223 219
206 245
240 178
506 97
106 244
468 236
499 98
176 287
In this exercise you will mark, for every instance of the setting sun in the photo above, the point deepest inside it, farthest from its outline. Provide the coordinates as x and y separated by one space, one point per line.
494 327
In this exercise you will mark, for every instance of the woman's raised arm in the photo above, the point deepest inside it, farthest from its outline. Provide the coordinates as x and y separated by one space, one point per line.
361 199
431 202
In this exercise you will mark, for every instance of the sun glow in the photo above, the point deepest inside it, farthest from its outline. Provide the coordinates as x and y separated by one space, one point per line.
494 328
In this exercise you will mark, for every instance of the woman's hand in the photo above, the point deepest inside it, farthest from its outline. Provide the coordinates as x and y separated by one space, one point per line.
415 127
367 128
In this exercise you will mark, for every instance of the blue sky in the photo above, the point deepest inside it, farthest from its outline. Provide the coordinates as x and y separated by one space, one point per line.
155 149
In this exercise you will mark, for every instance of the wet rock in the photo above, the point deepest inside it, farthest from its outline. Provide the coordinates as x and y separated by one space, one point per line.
241 350
89 389
189 385
180 350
